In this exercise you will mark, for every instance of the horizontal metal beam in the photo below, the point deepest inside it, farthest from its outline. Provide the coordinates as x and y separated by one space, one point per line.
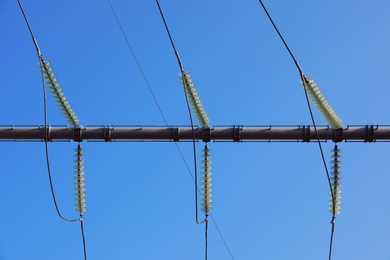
235 133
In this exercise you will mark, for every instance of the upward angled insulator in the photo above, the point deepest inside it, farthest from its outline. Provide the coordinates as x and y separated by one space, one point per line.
79 180
334 201
58 94
206 180
321 103
194 99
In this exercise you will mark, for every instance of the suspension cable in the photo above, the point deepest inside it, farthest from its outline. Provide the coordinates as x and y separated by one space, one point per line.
304 81
41 62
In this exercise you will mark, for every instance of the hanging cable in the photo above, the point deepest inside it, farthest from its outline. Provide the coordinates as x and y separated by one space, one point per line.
161 112
305 82
188 108
137 62
41 61
46 74
192 96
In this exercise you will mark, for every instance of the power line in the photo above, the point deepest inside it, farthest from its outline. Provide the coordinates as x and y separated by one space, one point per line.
304 82
42 68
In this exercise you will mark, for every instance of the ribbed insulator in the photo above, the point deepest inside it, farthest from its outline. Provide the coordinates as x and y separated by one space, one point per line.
58 94
194 99
335 178
79 180
322 104
206 180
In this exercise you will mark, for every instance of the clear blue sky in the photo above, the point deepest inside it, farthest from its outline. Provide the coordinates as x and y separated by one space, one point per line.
270 200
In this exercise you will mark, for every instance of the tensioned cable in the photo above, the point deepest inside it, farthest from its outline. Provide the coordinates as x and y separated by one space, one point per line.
189 111
304 80
41 61
45 116
136 61
184 78
162 114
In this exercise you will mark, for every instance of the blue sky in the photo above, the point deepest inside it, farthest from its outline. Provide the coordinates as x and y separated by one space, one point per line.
270 200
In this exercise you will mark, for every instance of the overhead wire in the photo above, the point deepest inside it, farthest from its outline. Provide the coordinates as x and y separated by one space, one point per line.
47 130
45 116
189 111
194 179
304 81
184 79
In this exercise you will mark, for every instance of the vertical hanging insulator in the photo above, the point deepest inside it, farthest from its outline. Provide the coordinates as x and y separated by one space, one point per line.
194 99
58 94
79 180
206 180
321 103
334 203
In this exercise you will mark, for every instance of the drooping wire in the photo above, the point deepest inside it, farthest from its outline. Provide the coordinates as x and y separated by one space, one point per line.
47 132
189 111
305 81
190 94
166 122
45 115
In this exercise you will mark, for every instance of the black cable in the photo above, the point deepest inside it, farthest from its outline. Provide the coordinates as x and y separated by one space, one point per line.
136 61
206 237
162 114
220 234
47 150
170 38
281 37
31 32
47 130
41 62
83 236
304 81
184 78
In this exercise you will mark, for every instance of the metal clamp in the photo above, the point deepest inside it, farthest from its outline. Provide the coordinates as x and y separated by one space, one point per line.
306 134
77 134
175 134
338 135
107 133
46 134
206 134
369 134
236 133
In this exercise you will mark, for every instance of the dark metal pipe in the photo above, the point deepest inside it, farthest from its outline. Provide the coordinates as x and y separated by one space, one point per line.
237 133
